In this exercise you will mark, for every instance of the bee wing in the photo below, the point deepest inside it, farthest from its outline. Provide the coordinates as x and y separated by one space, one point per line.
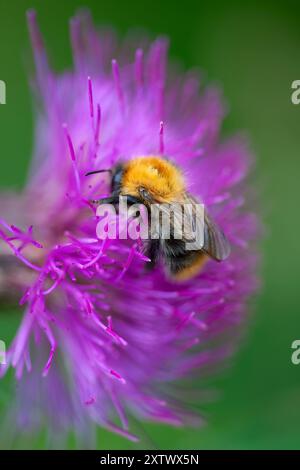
216 244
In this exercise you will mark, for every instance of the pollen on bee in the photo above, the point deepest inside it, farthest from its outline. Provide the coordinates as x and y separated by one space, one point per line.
154 170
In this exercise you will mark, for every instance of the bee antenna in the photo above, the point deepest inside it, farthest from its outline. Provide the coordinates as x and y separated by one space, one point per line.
98 171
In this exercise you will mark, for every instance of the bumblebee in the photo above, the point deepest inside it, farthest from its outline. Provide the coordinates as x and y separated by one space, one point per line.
154 180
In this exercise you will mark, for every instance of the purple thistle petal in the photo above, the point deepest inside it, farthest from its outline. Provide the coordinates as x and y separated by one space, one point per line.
101 337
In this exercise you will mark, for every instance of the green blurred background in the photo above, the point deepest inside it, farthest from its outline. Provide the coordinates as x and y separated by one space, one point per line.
252 49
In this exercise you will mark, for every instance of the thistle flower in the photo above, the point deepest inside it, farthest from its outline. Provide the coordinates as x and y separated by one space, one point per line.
100 337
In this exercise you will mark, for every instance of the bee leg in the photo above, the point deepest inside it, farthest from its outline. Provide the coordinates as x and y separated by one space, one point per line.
152 252
131 199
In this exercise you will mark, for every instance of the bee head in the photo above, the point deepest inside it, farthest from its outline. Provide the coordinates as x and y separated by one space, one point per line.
152 179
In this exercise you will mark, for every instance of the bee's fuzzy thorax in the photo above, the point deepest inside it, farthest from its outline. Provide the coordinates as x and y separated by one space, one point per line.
157 174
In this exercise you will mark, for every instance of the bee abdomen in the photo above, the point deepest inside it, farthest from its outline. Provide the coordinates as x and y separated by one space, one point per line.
183 264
